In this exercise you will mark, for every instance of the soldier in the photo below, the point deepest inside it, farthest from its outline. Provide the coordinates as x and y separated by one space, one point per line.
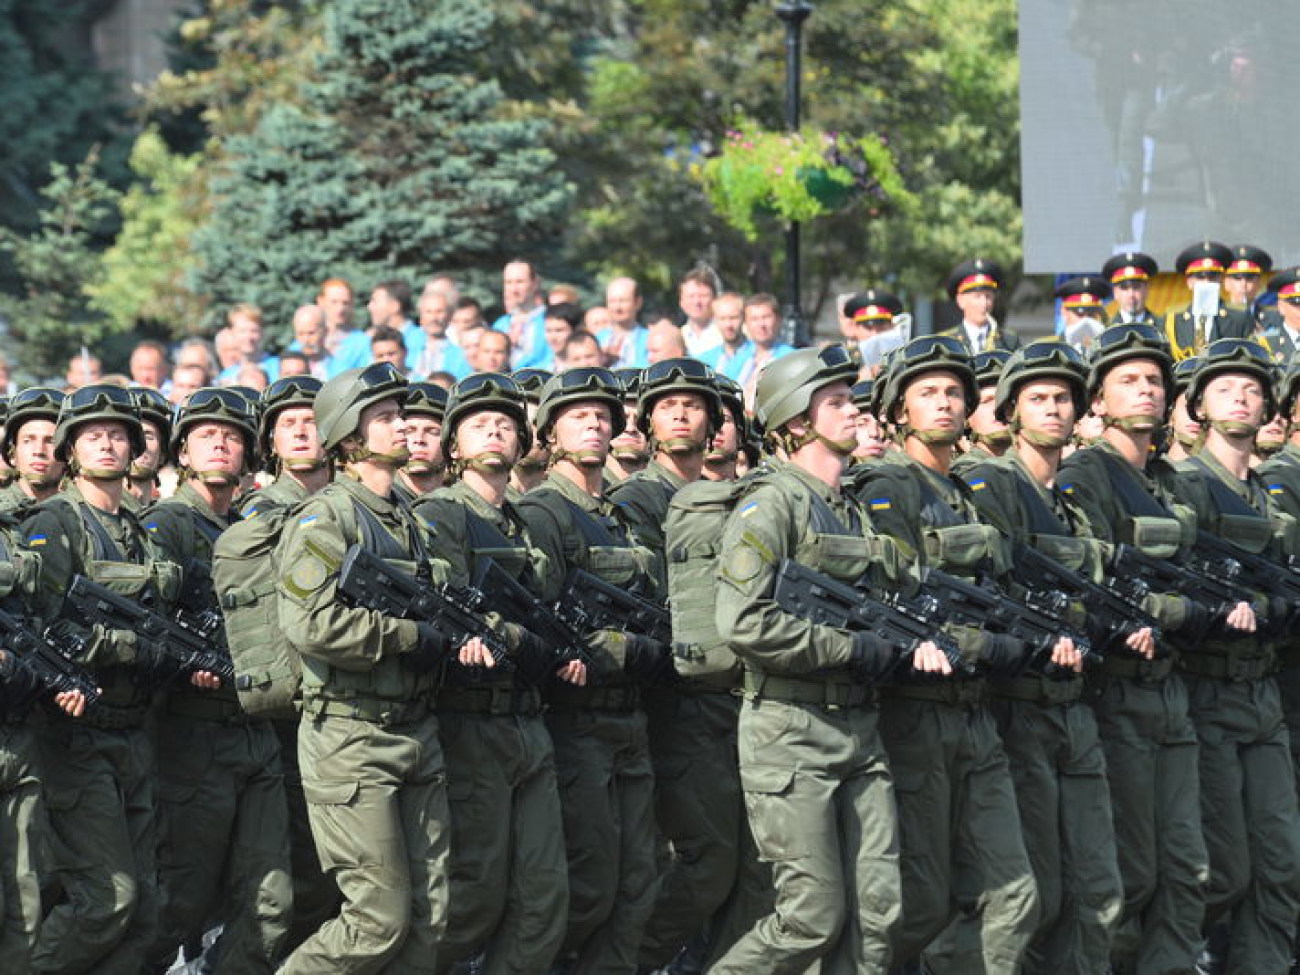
1150 744
1190 328
723 453
817 785
531 469
989 436
973 286
219 770
1049 733
1182 433
426 469
1248 800
628 453
28 446
368 744
599 731
1130 275
962 848
874 315
142 484
245 575
679 411
508 876
1282 339
98 771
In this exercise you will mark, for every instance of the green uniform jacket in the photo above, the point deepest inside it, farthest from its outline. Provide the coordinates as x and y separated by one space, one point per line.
644 499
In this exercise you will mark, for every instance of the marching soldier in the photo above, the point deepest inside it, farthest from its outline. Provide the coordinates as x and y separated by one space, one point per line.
1181 434
1049 733
531 469
426 469
368 745
817 784
1245 763
508 877
219 770
989 436
628 453
1150 743
962 848
28 446
142 484
1187 329
1130 275
973 286
98 771
599 730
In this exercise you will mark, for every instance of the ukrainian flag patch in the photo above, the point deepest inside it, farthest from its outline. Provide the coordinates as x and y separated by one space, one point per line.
152 526
1276 489
306 520
748 509
880 504
1067 488
979 485
36 541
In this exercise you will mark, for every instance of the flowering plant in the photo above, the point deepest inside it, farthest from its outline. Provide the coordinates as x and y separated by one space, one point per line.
797 175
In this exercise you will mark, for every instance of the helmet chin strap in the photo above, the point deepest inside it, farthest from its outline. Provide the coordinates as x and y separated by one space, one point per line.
423 468
931 438
304 466
212 478
678 445
997 440
396 458
586 458
488 463
40 480
1137 423
1235 429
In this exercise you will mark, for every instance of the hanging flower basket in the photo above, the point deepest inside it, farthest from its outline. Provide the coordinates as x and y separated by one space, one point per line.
796 176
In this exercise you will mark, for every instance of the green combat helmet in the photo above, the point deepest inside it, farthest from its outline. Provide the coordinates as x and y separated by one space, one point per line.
1041 359
1120 343
98 401
426 399
283 394
786 386
341 401
590 384
927 353
683 375
217 405
531 381
32 403
1233 355
486 391
1184 370
1288 388
988 366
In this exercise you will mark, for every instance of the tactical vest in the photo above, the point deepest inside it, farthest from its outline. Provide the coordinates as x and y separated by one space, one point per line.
957 544
1147 524
1233 517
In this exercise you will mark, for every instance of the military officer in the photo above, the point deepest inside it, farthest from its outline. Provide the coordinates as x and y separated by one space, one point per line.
1083 309
98 771
1243 279
1189 329
1129 275
508 876
28 446
368 745
1282 339
817 784
973 286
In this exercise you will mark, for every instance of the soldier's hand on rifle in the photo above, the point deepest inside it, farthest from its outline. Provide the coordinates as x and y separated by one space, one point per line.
1142 642
1066 654
72 703
205 680
474 653
574 672
929 659
1241 617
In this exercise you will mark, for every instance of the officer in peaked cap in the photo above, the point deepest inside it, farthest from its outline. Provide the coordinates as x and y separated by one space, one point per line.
1083 305
1244 281
1283 338
1187 333
973 286
1129 275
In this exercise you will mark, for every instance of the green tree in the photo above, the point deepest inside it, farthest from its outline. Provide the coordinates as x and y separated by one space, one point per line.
403 156
57 265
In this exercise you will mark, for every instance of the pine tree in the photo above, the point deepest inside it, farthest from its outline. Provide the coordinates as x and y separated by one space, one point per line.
402 156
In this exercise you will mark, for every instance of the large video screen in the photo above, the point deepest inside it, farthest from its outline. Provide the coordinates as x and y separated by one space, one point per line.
1151 124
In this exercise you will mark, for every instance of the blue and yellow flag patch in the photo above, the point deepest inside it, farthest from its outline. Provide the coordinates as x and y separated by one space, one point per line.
306 520
880 504
978 485
36 541
748 509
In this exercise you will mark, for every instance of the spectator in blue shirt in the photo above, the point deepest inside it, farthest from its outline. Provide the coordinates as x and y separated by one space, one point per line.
245 323
524 321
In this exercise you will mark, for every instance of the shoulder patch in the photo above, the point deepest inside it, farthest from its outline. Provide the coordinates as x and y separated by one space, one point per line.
745 564
748 509
36 541
979 484
880 504
306 520
251 512
1067 488
1276 489
151 526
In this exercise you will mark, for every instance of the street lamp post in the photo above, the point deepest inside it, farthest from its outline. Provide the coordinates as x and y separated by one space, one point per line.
793 13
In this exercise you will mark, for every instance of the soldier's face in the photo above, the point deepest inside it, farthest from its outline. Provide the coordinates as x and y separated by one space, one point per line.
833 413
217 447
1184 427
152 455
680 416
982 420
1046 408
1234 397
584 427
295 440
34 451
935 401
726 442
487 433
1131 296
424 439
104 445
1241 289
383 427
976 306
1132 389
871 437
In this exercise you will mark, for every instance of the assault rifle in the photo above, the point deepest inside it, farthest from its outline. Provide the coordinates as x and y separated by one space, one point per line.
185 651
816 597
1112 615
52 669
196 608
515 603
1131 567
589 603
1035 622
1220 558
371 583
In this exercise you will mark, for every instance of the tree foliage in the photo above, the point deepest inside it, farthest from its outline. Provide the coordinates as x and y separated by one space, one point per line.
57 264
